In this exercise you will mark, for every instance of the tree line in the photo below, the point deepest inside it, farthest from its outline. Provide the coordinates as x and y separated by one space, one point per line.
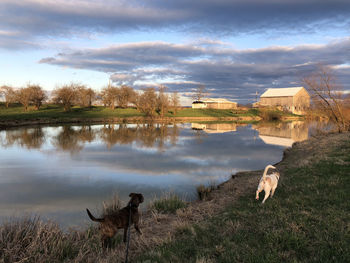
149 101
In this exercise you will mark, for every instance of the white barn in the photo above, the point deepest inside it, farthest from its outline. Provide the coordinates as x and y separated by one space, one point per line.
295 100
214 104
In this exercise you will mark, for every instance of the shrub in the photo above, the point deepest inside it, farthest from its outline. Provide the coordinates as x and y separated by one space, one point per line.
270 114
203 191
168 204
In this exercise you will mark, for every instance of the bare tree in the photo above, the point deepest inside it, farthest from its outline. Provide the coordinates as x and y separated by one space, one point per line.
199 93
9 95
175 102
66 95
85 96
148 102
109 96
135 100
124 96
327 95
24 96
162 101
37 95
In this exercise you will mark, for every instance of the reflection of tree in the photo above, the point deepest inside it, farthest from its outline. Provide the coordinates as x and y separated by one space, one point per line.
199 135
72 139
147 134
68 140
31 138
122 135
174 134
86 134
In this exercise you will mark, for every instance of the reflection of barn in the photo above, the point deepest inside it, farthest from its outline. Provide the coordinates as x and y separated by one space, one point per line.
214 104
295 100
284 134
215 127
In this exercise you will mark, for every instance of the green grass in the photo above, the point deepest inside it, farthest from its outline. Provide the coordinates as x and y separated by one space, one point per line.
168 204
16 112
57 112
306 221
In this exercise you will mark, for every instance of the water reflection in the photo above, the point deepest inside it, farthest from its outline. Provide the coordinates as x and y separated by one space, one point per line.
284 133
30 138
58 171
216 127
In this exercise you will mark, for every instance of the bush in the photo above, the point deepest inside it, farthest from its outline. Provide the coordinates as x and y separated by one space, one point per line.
168 204
203 191
270 114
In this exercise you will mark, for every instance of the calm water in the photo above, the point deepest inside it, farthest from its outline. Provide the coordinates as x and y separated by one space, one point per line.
57 172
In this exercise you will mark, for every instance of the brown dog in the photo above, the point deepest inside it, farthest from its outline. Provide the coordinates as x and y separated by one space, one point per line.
110 224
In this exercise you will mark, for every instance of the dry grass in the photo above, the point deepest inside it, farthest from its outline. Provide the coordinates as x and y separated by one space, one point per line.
203 192
111 206
31 240
169 203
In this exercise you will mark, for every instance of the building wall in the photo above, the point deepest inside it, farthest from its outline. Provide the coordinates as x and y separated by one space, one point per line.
221 106
214 105
301 102
199 105
297 104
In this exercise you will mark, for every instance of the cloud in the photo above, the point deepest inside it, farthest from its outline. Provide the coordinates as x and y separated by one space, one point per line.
226 71
64 18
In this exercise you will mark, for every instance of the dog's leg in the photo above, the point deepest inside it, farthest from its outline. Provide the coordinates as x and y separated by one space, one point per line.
267 193
257 195
137 228
260 188
106 242
273 190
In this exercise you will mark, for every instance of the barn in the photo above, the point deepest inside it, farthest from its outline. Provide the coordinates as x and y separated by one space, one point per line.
295 100
214 104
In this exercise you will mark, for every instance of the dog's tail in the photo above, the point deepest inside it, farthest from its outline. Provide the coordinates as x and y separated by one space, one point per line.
94 218
266 169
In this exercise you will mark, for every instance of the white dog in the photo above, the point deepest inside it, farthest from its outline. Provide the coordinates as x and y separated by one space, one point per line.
268 183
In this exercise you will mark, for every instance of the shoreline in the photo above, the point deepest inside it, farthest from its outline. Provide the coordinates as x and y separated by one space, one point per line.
4 124
117 120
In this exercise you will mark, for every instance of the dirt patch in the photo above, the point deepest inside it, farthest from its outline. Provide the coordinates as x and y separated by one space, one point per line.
159 228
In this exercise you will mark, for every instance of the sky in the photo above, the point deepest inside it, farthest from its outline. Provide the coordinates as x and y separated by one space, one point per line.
234 47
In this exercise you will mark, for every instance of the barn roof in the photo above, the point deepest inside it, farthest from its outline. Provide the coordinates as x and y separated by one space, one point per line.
284 92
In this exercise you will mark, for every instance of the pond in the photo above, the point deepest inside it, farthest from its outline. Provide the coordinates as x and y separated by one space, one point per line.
58 171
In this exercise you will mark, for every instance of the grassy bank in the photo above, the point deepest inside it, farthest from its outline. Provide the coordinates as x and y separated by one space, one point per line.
15 115
307 221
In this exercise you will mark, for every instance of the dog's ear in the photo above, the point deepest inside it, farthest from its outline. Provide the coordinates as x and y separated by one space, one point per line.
141 198
131 194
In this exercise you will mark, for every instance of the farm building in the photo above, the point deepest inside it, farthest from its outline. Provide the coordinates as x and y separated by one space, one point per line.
295 100
214 104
